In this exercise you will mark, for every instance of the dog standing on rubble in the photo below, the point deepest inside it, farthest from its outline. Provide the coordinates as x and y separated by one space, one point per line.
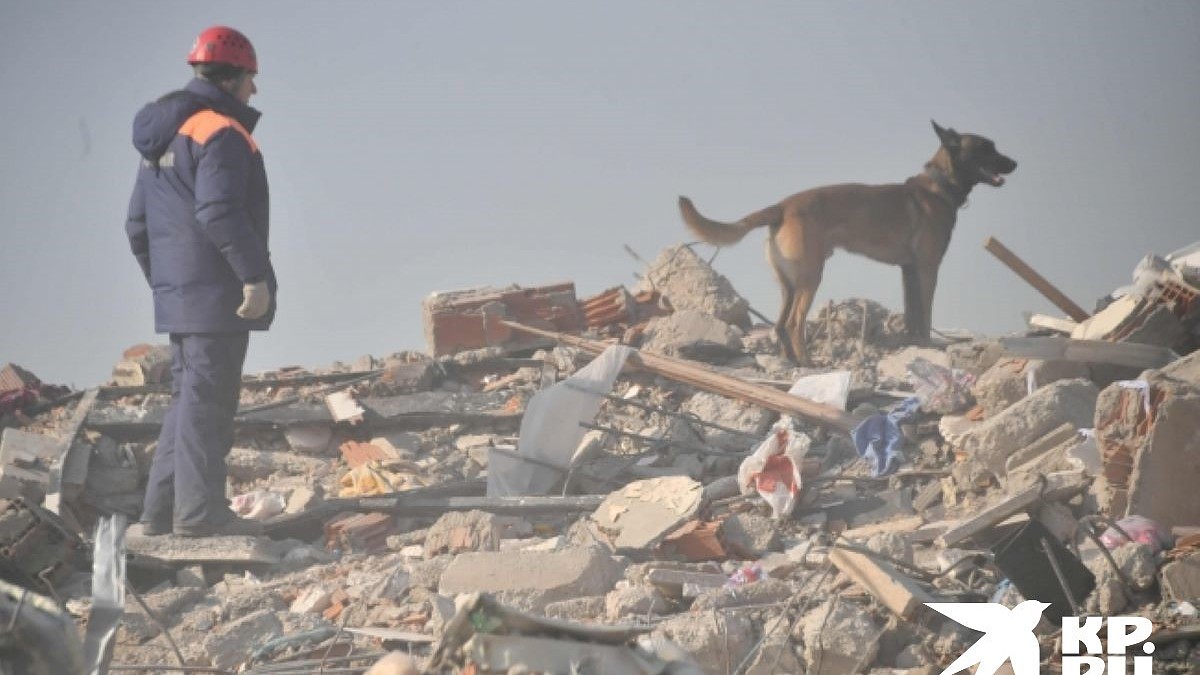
905 224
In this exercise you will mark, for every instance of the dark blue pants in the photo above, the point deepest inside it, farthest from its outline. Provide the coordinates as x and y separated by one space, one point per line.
187 477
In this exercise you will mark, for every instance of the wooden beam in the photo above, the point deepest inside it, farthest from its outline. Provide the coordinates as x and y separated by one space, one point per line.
1058 486
896 591
1030 275
717 383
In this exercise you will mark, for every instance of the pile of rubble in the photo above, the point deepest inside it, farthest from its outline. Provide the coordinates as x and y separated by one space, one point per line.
530 498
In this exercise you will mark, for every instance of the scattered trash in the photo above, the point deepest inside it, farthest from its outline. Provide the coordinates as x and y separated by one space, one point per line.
941 390
1137 529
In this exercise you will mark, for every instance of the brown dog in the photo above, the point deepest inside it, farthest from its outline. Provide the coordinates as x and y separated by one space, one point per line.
905 224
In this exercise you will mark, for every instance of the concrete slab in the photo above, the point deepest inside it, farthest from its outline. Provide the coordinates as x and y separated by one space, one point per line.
637 517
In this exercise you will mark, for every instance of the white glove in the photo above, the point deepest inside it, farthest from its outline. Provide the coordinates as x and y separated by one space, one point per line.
256 300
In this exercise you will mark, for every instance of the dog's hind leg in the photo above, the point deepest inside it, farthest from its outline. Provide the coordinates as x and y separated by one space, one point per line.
785 287
914 303
798 256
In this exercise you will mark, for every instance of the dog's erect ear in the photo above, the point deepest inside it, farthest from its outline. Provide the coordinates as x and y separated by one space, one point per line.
949 137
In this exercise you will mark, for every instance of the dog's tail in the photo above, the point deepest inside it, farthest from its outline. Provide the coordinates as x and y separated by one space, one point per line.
727 234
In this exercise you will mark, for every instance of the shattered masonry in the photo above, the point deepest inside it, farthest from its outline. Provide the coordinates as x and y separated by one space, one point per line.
684 528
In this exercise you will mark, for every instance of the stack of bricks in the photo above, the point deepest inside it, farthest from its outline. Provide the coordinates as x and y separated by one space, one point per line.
472 319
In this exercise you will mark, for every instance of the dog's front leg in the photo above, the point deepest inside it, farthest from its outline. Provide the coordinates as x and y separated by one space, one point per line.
914 303
927 276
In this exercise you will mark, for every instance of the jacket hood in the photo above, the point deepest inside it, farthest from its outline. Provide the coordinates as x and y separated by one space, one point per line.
157 123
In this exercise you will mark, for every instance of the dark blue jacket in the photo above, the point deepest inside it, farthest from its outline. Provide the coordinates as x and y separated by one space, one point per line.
198 218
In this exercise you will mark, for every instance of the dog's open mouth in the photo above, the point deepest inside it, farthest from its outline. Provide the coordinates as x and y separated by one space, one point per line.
993 179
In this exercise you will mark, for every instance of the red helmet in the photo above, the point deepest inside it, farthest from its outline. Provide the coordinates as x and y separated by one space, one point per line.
221 44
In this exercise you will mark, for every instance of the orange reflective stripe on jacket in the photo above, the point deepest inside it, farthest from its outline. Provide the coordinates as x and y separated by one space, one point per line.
201 126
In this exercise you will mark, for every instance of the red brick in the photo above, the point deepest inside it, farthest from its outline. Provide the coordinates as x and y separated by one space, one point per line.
471 319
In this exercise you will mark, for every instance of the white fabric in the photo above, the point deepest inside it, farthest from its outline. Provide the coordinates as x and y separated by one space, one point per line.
831 389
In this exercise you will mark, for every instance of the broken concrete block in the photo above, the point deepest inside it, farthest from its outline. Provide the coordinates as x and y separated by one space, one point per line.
1011 380
427 573
231 644
1186 369
975 356
749 536
1180 579
993 441
892 370
1166 472
25 458
220 549
313 600
634 601
1149 436
638 516
718 641
464 531
304 498
343 408
762 592
727 412
247 465
839 637
577 609
894 545
689 283
309 439
777 654
671 334
560 575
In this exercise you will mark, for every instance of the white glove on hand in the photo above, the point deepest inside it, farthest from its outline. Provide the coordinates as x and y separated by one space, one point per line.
256 300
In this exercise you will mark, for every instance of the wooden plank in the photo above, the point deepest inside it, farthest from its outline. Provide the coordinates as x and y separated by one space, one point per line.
717 383
897 592
1058 486
1088 351
1030 275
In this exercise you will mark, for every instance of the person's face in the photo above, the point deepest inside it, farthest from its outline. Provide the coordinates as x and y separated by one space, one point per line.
245 88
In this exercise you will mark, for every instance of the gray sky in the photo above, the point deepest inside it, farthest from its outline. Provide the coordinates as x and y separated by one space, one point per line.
414 147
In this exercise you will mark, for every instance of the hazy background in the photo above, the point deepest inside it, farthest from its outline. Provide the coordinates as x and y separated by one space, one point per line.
414 147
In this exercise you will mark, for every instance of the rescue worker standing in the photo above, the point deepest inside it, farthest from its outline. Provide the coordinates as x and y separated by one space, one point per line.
198 227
